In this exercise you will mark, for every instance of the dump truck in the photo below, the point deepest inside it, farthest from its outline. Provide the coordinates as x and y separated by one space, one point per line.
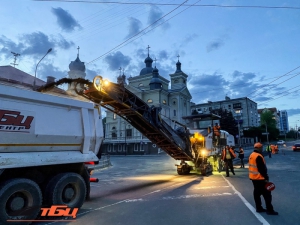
46 143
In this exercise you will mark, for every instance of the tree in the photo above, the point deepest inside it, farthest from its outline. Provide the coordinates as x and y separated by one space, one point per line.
268 123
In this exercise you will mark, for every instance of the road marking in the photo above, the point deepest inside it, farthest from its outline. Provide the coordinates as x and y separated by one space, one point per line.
249 206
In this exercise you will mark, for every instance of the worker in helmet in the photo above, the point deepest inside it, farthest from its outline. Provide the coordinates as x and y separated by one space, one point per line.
217 133
227 156
258 173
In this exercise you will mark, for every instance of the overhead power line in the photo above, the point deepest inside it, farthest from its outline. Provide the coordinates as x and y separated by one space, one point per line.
140 33
174 4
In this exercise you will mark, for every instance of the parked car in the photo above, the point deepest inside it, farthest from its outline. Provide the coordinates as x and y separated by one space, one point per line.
296 147
281 142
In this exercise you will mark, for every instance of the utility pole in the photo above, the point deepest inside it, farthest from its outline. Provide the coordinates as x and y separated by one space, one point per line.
267 132
15 58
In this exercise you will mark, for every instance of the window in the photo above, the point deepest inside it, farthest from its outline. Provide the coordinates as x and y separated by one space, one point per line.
114 135
174 112
115 116
128 132
136 147
119 148
237 105
141 85
164 102
149 100
176 81
109 148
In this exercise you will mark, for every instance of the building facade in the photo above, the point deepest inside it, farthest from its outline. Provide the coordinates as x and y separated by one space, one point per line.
276 115
284 122
244 110
152 88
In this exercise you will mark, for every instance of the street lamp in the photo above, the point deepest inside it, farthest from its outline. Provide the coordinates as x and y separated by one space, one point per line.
238 113
267 132
49 50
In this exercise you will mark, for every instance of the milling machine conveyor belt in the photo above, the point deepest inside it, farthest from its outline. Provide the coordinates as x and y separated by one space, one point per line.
146 119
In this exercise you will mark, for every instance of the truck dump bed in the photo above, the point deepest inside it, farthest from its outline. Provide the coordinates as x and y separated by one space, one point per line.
43 129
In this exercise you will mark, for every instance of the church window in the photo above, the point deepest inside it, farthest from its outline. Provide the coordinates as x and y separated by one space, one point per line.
115 116
174 112
149 100
176 81
164 102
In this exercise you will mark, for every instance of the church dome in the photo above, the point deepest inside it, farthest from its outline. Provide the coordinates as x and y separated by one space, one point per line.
77 65
148 69
155 82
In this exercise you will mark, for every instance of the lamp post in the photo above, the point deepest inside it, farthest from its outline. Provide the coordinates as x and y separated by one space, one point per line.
267 132
125 136
238 116
49 50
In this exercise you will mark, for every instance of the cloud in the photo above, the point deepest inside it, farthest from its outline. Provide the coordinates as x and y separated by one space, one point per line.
214 45
134 27
38 43
45 70
162 55
7 46
117 60
155 14
34 44
187 39
293 112
65 20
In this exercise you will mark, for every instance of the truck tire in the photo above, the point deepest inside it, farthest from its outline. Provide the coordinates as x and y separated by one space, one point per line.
20 199
66 189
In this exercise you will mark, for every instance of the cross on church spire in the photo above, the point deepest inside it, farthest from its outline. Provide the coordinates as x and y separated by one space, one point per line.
148 50
155 61
178 57
120 70
123 70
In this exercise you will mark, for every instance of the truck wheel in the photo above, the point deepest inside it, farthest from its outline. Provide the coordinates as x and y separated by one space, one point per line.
66 189
20 199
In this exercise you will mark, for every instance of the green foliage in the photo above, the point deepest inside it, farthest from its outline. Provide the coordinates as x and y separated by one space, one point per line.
267 117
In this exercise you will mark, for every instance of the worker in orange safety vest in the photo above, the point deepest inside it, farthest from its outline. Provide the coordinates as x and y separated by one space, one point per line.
258 173
217 133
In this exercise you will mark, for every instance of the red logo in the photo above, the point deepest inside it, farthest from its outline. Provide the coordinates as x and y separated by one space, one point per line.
59 210
14 121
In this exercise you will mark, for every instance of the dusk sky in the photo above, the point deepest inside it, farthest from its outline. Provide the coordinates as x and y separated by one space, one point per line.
238 48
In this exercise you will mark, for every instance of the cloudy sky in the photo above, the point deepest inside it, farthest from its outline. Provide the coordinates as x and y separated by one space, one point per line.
237 48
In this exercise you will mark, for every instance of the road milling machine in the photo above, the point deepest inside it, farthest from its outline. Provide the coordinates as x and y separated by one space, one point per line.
194 149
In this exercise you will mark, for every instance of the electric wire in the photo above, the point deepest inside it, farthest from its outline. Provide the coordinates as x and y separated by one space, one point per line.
174 4
275 80
137 34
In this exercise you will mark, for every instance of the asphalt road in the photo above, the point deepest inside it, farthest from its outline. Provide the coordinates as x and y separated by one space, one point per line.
146 190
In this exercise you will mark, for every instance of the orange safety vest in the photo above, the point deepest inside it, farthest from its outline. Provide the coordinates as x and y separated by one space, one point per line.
232 154
253 171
